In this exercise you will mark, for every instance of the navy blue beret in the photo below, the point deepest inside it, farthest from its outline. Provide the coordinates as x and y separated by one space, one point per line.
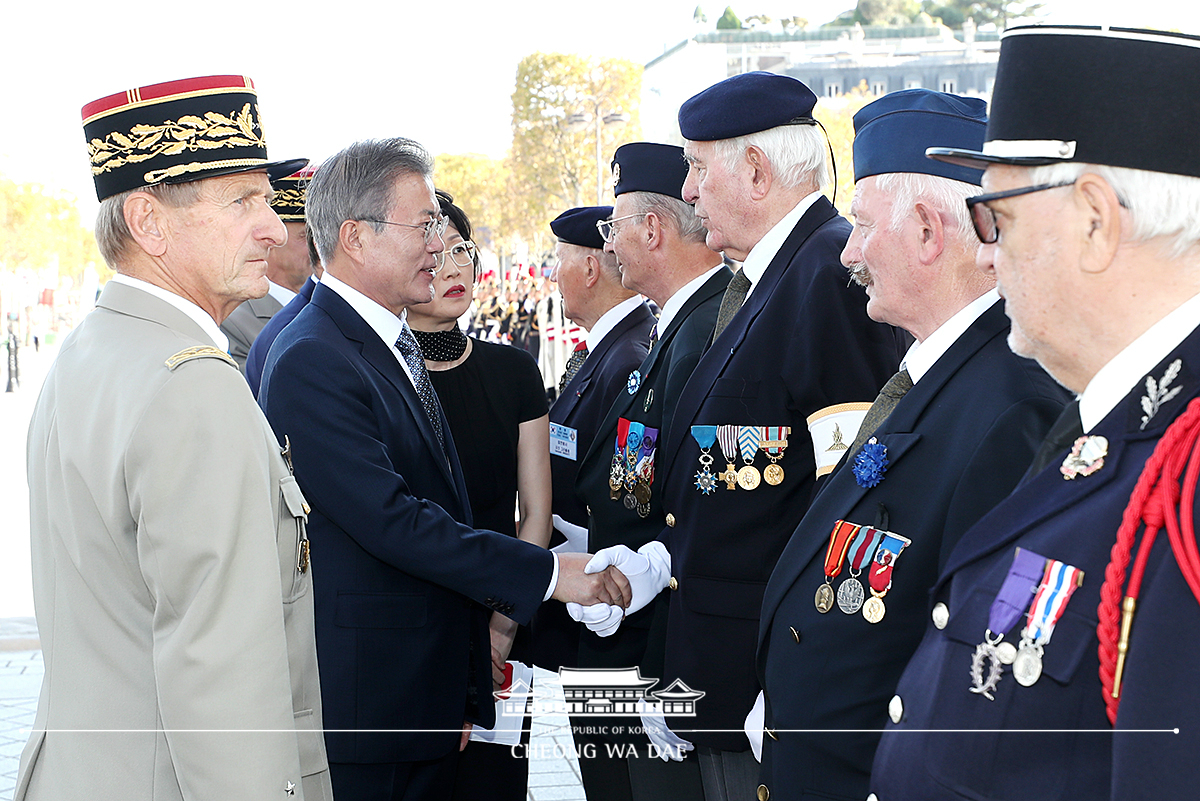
578 226
745 104
892 133
649 167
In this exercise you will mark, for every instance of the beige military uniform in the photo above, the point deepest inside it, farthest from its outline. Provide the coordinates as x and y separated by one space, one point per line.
171 578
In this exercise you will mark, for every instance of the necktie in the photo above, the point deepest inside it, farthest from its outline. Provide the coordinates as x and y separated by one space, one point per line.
407 345
735 296
1066 429
895 389
574 362
653 336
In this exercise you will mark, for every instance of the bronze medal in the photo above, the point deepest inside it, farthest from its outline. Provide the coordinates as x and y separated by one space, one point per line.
873 609
748 477
824 599
773 474
641 492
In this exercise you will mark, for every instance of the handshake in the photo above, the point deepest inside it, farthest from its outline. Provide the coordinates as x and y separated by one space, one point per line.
636 578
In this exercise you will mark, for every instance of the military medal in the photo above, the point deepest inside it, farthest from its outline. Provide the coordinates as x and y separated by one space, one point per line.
644 471
1058 584
616 474
748 439
633 447
835 554
728 437
1007 608
850 595
1086 457
705 436
774 445
880 577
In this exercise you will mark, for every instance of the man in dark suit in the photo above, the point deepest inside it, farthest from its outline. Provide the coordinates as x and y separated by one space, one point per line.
792 344
618 323
1091 233
660 247
955 444
402 603
288 203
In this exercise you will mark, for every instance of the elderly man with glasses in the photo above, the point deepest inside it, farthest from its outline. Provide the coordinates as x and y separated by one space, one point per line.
1060 657
408 585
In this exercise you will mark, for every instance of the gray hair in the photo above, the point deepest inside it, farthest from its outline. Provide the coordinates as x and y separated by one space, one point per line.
356 184
1160 204
113 236
797 153
677 213
609 265
946 195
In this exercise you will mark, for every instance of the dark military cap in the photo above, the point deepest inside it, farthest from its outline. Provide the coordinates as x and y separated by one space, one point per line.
290 192
578 226
177 132
1112 96
746 104
892 133
649 167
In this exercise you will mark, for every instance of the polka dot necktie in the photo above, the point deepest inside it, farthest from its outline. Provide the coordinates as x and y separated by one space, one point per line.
407 345
574 362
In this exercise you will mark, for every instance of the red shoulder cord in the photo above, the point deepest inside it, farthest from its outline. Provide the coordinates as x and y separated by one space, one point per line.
1158 499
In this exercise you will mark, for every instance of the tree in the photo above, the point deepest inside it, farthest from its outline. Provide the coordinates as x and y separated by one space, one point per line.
698 16
837 115
729 21
481 187
758 21
40 228
556 102
886 12
998 12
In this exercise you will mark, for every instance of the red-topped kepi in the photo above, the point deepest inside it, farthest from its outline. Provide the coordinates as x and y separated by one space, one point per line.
176 132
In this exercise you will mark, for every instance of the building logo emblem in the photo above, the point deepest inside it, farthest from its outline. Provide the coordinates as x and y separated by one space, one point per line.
602 692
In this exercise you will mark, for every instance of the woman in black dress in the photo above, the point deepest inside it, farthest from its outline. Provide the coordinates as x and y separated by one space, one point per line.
495 404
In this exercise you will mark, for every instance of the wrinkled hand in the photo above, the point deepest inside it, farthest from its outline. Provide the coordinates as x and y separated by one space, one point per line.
502 631
604 586
648 571
670 745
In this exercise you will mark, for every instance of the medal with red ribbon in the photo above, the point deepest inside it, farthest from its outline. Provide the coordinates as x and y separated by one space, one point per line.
616 474
881 574
835 555
1058 585
850 595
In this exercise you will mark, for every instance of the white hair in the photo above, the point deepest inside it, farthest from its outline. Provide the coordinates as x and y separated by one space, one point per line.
946 195
1160 204
797 153
113 236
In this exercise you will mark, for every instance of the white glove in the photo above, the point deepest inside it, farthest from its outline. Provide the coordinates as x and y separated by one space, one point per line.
669 744
600 618
755 721
648 570
577 537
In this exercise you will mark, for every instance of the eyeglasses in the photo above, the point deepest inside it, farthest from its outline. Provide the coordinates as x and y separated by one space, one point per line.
461 253
608 228
984 218
433 227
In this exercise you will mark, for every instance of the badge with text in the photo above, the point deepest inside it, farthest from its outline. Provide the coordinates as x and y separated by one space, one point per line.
563 441
1010 603
705 437
835 555
880 577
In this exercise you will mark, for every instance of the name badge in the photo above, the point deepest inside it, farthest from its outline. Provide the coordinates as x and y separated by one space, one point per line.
564 441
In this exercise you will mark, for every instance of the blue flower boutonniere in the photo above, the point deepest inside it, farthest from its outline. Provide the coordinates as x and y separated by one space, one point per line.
870 464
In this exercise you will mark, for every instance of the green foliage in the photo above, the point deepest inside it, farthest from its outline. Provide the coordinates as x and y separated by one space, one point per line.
480 186
886 12
40 229
729 21
699 16
999 12
837 115
553 163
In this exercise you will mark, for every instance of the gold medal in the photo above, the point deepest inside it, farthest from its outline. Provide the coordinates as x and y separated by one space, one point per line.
748 477
773 474
873 610
824 599
730 477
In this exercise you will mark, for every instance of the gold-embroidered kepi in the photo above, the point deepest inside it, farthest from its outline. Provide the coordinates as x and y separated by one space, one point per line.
290 192
176 132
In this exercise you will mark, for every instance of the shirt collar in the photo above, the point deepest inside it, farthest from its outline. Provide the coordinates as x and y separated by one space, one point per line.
923 355
387 325
281 293
197 314
760 256
1124 371
681 296
608 321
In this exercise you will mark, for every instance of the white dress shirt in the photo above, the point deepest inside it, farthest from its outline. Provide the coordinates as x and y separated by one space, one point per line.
922 356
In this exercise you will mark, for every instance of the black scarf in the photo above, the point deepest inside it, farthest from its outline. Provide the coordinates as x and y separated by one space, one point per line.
442 346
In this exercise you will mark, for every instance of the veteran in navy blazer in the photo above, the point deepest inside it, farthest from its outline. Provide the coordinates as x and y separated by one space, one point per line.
1100 280
793 341
402 606
956 443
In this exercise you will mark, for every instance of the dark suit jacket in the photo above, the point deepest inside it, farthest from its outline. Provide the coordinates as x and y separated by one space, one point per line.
957 443
802 342
257 356
663 373
1075 522
401 626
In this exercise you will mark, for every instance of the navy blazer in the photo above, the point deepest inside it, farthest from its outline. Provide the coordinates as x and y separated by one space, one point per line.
801 342
651 401
1075 522
401 578
257 356
957 443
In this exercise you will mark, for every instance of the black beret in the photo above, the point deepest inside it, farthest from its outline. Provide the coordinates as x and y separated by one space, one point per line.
578 226
746 104
1091 95
649 167
892 133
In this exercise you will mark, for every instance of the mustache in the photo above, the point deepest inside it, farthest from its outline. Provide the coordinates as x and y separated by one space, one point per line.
859 274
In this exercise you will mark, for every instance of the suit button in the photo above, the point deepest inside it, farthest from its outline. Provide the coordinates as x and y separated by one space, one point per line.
670 521
896 709
673 583
763 792
941 615
795 634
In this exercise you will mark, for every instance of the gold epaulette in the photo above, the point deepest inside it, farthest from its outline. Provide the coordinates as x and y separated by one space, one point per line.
198 352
